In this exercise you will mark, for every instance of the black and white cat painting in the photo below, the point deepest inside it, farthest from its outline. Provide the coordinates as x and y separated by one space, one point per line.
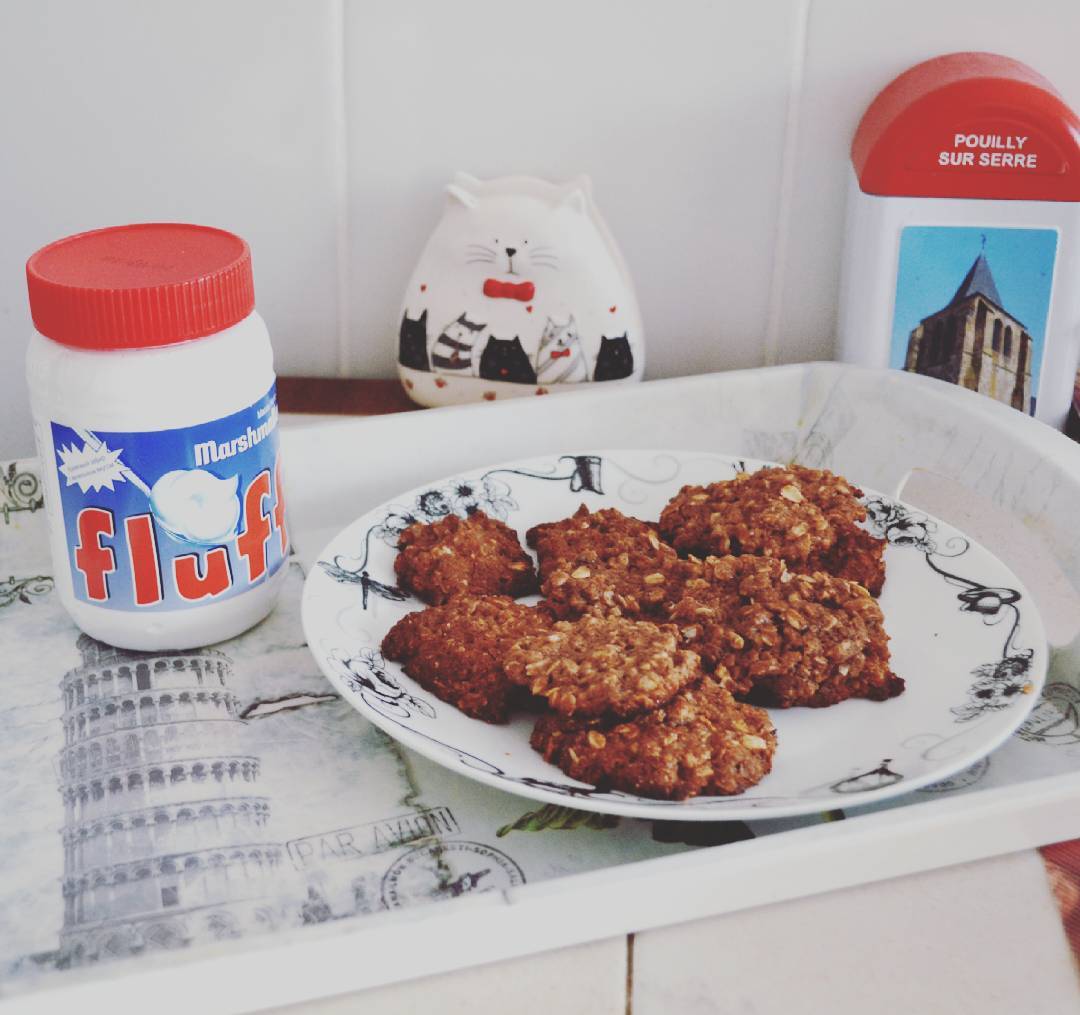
504 359
412 342
560 358
615 361
453 349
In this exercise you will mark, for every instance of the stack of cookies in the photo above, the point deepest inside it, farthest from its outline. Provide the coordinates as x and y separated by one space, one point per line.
654 645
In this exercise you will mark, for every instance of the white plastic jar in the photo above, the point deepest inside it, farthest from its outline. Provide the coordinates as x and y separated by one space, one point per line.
153 395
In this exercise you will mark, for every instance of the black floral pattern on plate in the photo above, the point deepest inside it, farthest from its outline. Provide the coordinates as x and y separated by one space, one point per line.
1000 682
460 497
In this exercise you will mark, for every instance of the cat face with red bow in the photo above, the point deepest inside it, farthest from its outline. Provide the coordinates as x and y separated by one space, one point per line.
534 262
503 241
560 359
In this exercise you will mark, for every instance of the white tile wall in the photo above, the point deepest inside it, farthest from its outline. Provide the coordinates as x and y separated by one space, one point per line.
205 111
666 106
324 130
853 49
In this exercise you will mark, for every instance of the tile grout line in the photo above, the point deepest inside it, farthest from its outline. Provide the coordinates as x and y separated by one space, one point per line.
787 185
341 131
629 974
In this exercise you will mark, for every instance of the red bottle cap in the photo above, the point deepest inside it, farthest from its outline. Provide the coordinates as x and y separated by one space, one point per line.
139 286
974 125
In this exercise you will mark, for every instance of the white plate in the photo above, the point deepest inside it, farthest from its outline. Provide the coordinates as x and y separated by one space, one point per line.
965 636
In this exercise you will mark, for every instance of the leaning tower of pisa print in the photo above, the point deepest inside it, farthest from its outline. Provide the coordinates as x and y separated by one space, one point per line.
165 833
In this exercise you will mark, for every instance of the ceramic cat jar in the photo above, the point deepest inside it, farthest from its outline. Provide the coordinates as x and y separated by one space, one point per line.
521 290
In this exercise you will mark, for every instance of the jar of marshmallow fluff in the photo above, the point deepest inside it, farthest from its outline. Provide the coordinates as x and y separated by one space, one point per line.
155 413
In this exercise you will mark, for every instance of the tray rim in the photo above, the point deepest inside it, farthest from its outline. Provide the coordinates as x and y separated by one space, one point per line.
493 926
925 835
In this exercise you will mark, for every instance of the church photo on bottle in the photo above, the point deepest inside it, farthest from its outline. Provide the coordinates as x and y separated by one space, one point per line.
971 308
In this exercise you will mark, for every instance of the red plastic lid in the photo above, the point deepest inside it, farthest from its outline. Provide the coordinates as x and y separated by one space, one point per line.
140 286
972 125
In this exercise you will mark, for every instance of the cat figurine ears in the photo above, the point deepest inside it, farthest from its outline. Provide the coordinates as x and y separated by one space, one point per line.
575 194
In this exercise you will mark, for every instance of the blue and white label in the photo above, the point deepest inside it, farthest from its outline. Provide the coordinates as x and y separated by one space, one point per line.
170 519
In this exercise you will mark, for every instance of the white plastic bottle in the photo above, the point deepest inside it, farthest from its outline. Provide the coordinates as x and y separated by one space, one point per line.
963 233
153 395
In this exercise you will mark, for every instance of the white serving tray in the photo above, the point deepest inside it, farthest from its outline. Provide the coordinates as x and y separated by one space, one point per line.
576 885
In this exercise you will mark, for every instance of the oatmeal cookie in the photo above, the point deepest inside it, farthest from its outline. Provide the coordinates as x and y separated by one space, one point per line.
606 533
857 556
635 585
808 517
785 638
602 666
456 650
478 555
702 741
606 563
702 614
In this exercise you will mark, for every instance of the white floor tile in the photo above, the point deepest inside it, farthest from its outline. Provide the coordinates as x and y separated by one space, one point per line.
587 980
977 939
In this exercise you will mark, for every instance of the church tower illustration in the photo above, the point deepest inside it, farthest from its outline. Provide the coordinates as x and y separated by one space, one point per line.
165 839
975 342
